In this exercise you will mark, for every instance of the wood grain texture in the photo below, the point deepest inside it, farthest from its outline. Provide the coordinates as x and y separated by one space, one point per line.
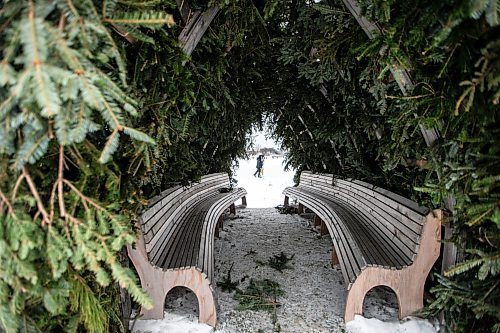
157 283
379 238
175 245
408 283
195 29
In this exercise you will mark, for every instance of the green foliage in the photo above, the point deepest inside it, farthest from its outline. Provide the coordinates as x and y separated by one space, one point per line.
330 96
259 295
279 261
100 109
64 90
227 284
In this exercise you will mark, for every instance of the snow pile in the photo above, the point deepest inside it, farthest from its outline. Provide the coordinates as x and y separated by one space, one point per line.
171 323
361 324
267 191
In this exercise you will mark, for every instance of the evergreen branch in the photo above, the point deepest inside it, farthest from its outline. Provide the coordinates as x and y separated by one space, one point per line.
138 135
111 117
52 200
148 3
110 147
31 151
48 98
149 19
36 196
33 29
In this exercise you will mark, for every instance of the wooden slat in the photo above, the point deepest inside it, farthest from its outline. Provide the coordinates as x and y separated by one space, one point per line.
173 221
205 255
184 9
352 262
410 213
195 29
391 219
160 207
395 197
190 198
396 242
386 227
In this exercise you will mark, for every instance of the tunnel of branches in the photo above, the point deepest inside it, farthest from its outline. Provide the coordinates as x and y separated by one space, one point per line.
102 109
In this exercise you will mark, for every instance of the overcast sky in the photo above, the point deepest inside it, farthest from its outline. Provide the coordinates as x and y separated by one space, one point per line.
259 139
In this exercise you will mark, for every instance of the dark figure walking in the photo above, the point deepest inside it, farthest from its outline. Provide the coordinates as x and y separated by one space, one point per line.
260 163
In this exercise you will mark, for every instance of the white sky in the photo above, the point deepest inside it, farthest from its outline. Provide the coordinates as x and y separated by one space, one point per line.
259 139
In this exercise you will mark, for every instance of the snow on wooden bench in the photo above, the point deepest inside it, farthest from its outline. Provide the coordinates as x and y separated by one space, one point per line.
176 240
380 238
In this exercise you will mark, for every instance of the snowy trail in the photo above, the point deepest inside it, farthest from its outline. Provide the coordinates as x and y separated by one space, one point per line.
267 191
315 294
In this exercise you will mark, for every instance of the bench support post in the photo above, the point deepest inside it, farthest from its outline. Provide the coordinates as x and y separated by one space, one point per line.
220 222
157 283
300 209
244 201
322 229
407 283
286 203
232 209
335 257
317 220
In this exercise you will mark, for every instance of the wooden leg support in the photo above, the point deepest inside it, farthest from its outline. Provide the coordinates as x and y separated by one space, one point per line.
301 209
286 203
335 258
317 220
157 283
244 201
323 229
220 222
232 209
407 283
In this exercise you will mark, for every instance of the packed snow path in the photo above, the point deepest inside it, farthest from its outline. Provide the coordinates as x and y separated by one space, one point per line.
314 300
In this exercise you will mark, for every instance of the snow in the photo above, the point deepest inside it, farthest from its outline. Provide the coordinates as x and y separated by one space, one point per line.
171 323
372 325
315 291
266 191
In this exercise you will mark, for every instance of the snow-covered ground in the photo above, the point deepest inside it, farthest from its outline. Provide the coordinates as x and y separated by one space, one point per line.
315 291
266 191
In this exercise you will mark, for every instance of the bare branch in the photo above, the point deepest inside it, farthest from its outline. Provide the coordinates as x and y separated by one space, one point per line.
84 197
39 203
16 186
62 207
7 202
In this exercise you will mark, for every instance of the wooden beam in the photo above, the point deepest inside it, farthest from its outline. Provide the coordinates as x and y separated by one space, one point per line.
184 9
195 29
401 75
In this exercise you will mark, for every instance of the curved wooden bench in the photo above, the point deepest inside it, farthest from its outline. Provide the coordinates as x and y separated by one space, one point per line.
380 238
175 245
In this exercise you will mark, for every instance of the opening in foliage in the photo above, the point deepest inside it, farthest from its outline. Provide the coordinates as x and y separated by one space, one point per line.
101 109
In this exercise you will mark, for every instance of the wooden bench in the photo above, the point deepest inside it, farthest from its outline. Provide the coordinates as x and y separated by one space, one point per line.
176 240
380 238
